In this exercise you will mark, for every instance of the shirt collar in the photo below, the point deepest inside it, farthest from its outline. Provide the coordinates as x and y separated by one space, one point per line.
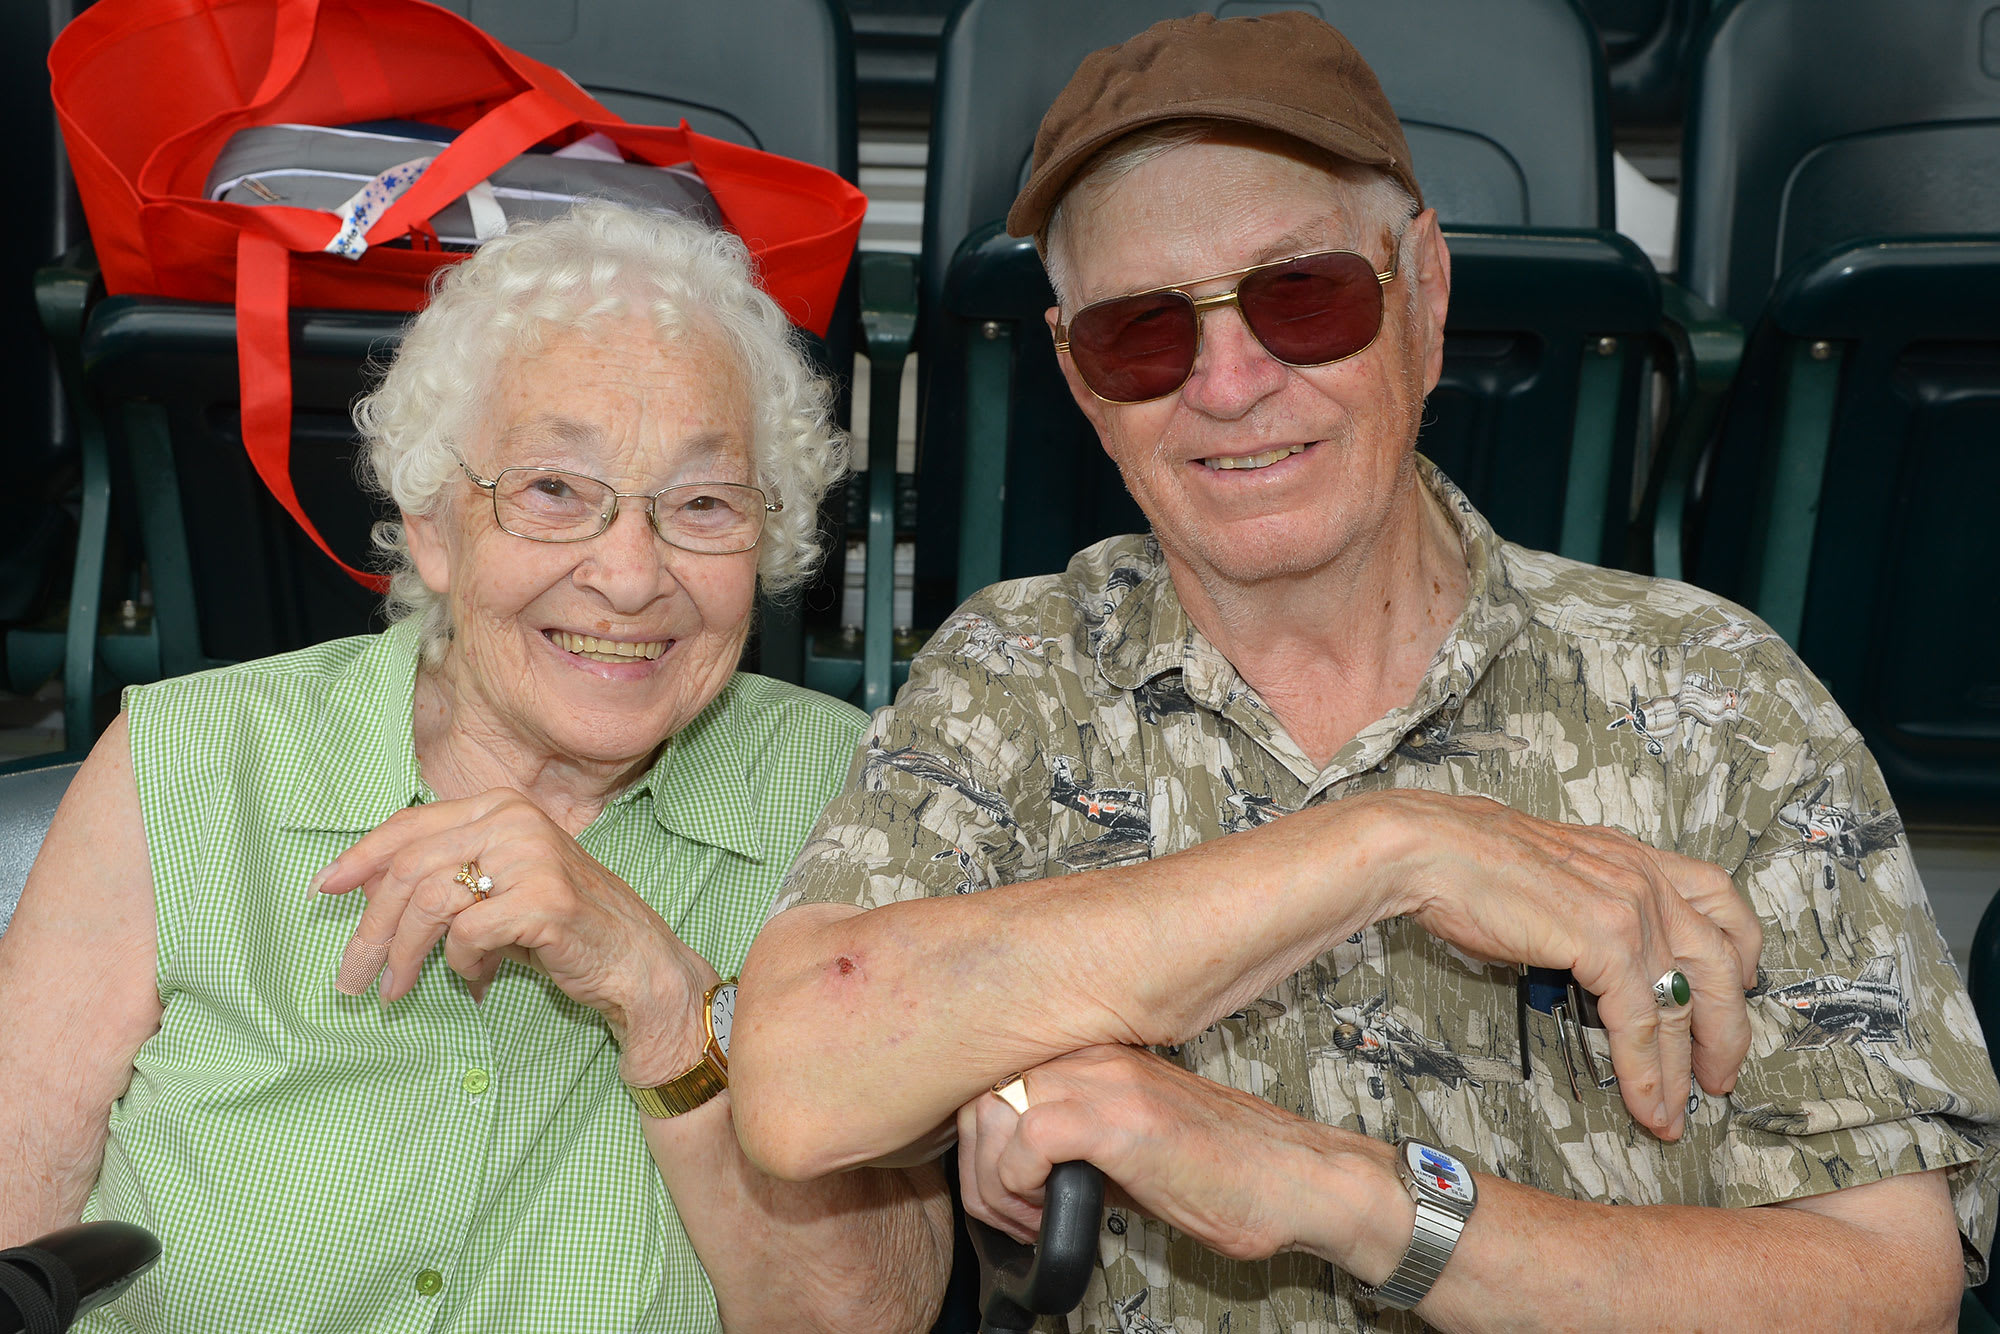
697 786
370 769
1147 632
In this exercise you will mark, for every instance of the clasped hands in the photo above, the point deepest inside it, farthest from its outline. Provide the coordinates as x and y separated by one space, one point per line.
551 906
1247 1179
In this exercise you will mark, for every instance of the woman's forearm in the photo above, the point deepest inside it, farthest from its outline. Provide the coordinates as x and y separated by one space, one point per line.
867 1250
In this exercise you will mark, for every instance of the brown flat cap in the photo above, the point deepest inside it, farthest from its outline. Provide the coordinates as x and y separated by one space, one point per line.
1289 72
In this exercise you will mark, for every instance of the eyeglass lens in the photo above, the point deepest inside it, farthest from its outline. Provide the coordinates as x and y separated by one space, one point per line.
551 506
1306 312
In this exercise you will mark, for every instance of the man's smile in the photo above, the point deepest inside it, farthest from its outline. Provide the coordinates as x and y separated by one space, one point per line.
1224 463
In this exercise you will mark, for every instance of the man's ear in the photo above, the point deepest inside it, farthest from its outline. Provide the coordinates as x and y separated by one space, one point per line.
1090 404
1432 265
429 550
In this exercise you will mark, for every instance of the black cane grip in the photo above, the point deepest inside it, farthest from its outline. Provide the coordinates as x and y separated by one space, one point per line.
1017 1283
52 1280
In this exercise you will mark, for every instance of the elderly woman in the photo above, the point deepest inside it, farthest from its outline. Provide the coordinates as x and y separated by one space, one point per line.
600 437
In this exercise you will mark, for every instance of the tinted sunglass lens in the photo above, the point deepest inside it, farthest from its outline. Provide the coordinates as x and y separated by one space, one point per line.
1135 348
1313 310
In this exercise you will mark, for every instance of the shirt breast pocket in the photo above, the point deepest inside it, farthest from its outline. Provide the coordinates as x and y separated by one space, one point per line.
1586 1143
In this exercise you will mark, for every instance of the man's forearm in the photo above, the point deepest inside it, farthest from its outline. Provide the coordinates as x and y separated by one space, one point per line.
863 1250
1878 1257
858 1033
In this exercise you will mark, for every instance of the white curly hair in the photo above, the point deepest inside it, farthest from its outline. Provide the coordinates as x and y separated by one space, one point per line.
596 262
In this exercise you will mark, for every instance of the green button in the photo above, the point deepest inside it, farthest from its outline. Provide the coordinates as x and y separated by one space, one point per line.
429 1282
475 1081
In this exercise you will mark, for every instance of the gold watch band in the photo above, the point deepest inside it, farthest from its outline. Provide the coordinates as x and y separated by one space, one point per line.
683 1093
690 1089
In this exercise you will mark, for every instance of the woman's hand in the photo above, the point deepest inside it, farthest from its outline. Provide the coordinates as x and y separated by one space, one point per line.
551 906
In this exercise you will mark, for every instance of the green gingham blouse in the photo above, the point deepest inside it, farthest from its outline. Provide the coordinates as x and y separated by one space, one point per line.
313 1161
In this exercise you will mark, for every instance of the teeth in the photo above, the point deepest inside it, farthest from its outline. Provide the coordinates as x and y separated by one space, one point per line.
1254 460
606 650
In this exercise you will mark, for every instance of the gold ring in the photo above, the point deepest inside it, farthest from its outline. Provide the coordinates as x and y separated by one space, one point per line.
1013 1090
480 885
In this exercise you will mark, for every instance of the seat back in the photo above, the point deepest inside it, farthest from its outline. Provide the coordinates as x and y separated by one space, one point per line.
1504 110
1812 122
1848 502
774 74
28 800
1647 50
233 575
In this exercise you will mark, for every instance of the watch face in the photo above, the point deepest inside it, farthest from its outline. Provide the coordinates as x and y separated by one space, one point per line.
1439 1172
720 1011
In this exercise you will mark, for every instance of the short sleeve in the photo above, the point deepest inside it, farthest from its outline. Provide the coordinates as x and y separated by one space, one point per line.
1866 1059
946 795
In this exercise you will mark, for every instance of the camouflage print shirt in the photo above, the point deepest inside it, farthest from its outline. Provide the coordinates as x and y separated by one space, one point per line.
1080 720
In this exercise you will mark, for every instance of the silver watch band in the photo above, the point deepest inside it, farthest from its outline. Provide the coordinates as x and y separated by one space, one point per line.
1431 1244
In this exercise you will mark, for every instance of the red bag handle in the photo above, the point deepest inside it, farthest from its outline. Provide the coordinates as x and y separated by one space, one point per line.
264 366
476 152
263 286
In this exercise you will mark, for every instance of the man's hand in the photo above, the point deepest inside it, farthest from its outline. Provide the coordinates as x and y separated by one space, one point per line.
1220 1165
1617 914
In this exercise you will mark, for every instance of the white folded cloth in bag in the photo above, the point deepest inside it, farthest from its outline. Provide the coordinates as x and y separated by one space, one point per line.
356 173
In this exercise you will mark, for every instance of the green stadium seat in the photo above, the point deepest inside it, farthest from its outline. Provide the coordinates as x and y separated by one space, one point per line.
1813 122
1842 201
1847 502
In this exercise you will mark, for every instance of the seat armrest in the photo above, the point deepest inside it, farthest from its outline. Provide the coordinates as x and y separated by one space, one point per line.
1706 348
888 319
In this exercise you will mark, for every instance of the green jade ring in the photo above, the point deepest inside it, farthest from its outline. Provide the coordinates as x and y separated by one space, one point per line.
1672 990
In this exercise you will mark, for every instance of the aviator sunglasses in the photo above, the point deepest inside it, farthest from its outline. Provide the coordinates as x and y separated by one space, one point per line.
1310 310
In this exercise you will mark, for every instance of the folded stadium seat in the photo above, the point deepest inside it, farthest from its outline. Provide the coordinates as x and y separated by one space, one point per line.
1552 312
1647 49
1842 199
233 576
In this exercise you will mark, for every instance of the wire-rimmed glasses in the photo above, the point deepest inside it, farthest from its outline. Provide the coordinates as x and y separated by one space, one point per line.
552 505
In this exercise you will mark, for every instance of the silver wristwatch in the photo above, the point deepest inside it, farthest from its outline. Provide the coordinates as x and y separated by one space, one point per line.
1443 1190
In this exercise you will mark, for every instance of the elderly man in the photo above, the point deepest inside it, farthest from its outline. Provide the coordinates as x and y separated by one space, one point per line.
1346 808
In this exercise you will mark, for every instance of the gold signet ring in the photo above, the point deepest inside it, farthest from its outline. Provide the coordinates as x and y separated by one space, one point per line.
1013 1090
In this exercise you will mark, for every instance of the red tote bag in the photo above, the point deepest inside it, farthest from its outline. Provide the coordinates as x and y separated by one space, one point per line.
148 92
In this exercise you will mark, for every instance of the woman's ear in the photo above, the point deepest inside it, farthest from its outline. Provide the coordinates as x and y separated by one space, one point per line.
429 551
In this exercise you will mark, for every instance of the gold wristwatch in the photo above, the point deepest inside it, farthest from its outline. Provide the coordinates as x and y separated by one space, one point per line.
710 1075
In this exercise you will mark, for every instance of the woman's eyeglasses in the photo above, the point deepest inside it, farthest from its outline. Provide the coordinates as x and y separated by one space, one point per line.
1310 310
549 505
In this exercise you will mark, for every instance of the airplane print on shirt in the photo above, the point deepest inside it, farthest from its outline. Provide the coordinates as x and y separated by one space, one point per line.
1657 721
1839 833
1868 1007
1434 743
1388 1036
1120 810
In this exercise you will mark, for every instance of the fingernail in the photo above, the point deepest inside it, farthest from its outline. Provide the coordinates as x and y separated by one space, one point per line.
388 984
359 963
1680 1124
317 884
